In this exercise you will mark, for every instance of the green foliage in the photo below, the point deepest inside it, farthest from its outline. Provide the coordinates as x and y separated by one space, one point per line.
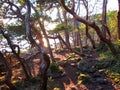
106 60
36 16
16 30
106 56
86 47
112 20
41 16
103 49
54 68
77 48
61 27
82 26
111 65
21 2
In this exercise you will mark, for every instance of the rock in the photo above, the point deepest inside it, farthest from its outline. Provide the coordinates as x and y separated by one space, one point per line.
97 74
49 73
83 68
92 80
82 65
101 80
91 70
82 62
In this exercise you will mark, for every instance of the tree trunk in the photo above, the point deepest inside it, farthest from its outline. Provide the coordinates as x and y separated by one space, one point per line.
78 53
104 22
66 32
39 35
46 37
118 19
44 57
73 36
80 43
44 77
16 53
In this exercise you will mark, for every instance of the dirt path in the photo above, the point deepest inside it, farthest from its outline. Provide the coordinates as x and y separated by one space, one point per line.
87 77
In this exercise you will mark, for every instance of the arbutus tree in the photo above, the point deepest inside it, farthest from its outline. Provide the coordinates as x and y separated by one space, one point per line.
25 17
16 53
42 27
91 24
44 57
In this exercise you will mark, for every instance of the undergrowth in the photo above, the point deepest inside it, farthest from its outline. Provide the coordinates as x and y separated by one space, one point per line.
111 65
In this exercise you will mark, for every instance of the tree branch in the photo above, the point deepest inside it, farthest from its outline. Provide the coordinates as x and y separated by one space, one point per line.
73 5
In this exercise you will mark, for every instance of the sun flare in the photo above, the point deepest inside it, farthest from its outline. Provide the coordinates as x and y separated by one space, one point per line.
45 42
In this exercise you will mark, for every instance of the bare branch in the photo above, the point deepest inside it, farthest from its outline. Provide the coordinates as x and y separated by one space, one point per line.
66 8
73 5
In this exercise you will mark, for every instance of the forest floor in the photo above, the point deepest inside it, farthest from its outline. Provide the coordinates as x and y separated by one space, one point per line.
77 74
84 77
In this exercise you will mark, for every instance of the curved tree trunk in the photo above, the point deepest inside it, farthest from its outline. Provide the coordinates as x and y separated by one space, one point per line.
44 69
45 60
17 53
46 37
39 35
91 24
